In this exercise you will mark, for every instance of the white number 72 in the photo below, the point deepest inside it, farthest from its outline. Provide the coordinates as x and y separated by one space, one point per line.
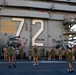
33 22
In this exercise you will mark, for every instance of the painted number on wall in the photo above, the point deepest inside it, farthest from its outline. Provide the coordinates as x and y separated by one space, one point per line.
38 33
20 26
34 21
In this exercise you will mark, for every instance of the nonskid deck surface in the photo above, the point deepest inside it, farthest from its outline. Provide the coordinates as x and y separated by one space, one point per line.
26 67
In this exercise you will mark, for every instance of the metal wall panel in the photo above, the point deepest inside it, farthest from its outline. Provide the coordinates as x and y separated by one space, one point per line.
65 8
8 24
56 16
54 30
42 5
31 14
24 13
1 2
68 1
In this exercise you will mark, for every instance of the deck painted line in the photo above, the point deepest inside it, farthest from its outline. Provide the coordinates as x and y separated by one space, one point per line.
60 62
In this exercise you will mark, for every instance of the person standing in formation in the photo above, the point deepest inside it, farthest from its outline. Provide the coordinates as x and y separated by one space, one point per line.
60 53
35 57
49 54
14 53
30 53
70 66
66 54
53 53
21 53
5 53
10 57
43 54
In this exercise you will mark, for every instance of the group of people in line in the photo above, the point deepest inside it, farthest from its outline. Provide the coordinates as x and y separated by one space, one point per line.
69 55
10 55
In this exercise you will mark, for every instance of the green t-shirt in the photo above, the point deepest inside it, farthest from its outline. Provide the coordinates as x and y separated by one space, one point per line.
73 53
70 57
49 53
60 52
42 53
14 52
10 51
30 52
35 51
